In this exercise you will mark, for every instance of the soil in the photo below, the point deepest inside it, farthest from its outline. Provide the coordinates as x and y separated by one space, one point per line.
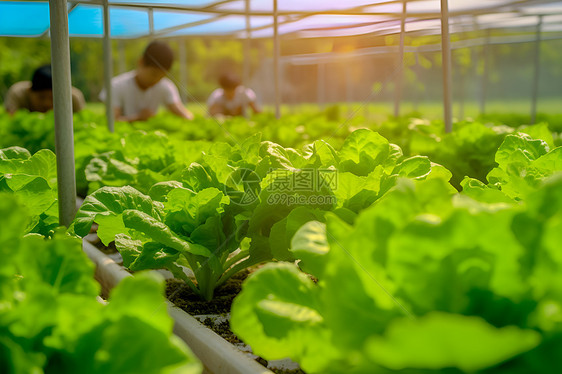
222 329
284 371
181 295
110 249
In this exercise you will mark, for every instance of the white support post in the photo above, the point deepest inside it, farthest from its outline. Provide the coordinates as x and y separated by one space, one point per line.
122 63
367 104
151 21
400 68
247 62
461 77
537 72
276 58
416 93
348 85
486 67
107 68
446 56
183 69
321 84
62 102
461 89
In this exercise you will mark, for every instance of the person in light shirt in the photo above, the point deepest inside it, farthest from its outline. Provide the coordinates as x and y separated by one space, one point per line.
138 94
232 99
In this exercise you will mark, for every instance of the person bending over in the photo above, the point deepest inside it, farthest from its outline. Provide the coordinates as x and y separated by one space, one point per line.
138 94
37 95
232 98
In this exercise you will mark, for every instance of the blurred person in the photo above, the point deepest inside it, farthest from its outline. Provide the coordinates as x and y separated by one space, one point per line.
232 99
138 94
37 95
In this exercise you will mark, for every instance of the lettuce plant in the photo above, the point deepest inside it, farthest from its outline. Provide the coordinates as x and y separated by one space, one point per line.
421 272
32 179
51 321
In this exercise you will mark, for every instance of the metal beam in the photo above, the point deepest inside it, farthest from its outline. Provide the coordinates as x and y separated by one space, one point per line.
446 56
537 72
107 68
62 101
276 58
400 62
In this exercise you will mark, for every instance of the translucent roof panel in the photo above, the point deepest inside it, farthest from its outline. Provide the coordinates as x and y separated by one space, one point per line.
87 20
222 26
330 25
131 18
298 5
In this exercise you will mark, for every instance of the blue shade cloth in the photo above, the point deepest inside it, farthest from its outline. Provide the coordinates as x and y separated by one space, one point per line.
87 20
23 19
31 18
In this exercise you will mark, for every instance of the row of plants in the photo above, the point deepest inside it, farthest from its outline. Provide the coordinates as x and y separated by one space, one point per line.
120 157
386 246
394 271
424 280
249 196
51 319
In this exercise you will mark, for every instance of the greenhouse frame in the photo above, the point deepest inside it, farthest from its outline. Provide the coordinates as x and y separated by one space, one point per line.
411 198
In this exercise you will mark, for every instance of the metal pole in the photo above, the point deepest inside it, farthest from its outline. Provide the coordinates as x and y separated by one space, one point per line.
446 56
150 21
473 72
484 87
461 88
62 102
107 68
183 69
321 84
537 72
348 86
461 76
246 77
276 57
122 63
415 90
368 93
400 72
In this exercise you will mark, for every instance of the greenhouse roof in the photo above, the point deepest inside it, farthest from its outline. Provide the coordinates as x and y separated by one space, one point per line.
310 18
